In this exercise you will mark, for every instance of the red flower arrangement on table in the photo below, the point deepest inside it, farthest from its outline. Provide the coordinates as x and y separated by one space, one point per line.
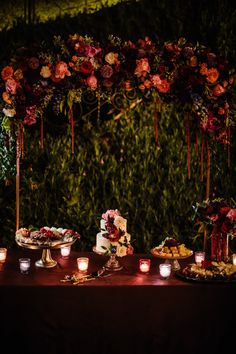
218 218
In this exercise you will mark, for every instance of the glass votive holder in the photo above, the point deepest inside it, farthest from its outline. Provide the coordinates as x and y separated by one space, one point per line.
24 265
234 258
199 257
82 263
65 251
165 270
3 255
144 265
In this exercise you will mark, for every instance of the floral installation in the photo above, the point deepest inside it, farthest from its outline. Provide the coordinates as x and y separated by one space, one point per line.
217 218
191 74
115 232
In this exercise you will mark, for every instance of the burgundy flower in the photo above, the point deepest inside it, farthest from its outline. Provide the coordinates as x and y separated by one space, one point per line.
86 67
106 71
30 117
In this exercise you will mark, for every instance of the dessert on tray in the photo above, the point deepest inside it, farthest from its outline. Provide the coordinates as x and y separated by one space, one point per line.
210 271
171 248
50 236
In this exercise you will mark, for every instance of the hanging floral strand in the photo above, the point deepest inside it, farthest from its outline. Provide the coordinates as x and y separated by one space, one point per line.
19 150
42 133
155 121
202 157
188 148
72 122
228 140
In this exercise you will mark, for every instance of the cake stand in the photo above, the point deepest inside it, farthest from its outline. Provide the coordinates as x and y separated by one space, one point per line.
112 264
46 260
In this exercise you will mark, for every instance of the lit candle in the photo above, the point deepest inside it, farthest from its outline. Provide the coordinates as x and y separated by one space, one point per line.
24 265
65 251
165 270
144 265
234 259
3 254
199 257
82 263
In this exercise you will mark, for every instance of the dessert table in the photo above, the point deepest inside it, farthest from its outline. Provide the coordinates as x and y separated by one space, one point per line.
126 312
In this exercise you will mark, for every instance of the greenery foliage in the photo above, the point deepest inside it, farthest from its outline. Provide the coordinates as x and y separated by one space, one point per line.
117 163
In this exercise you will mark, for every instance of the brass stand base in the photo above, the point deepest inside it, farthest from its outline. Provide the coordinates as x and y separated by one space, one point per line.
46 260
113 264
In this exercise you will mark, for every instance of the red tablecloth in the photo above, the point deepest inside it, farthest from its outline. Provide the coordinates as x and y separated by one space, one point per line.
127 312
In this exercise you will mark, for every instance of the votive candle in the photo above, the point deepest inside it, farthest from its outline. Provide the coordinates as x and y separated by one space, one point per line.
144 265
65 251
234 259
165 270
199 257
24 265
82 263
3 254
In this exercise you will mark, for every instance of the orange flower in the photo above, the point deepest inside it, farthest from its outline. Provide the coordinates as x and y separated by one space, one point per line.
141 87
127 85
221 111
212 75
203 69
147 84
6 97
7 73
225 83
193 61
164 86
74 58
18 74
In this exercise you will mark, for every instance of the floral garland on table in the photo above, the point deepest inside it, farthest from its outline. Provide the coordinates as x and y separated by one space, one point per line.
115 232
217 218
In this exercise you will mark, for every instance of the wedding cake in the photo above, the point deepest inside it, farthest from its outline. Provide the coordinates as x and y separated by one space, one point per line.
113 234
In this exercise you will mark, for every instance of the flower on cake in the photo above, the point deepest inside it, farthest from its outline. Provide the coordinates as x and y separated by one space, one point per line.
115 232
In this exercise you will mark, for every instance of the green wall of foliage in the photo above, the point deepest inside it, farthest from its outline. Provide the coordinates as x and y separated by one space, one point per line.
116 165
116 162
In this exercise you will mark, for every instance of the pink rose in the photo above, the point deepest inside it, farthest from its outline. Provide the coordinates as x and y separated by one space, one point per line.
155 80
142 67
106 71
11 85
61 70
232 214
218 90
110 214
214 218
91 51
92 82
210 123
